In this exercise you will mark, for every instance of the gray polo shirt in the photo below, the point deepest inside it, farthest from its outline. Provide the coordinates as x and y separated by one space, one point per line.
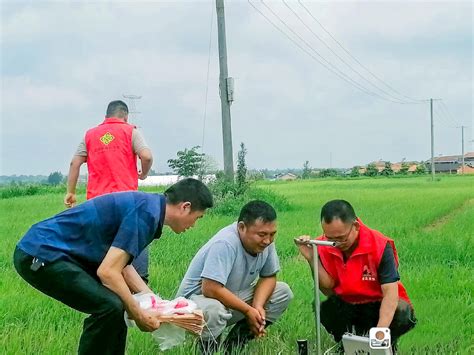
224 259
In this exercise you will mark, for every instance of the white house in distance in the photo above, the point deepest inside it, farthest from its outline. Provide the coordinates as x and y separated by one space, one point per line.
159 180
164 180
286 177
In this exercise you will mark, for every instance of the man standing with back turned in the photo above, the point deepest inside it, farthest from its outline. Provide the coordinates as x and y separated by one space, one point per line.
359 276
110 151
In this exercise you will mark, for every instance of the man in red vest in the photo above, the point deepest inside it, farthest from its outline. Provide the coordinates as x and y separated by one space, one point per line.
110 151
359 276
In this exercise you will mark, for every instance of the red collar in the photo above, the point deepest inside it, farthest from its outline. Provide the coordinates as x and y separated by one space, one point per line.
113 120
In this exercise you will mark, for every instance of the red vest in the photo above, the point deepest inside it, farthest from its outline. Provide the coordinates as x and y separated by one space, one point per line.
357 279
111 163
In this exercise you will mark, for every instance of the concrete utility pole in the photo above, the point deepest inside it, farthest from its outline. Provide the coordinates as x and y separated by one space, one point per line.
226 91
462 149
432 142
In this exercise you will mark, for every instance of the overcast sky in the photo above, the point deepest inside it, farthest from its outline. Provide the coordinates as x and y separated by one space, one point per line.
63 61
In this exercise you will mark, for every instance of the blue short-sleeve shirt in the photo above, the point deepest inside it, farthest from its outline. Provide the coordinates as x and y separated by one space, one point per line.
83 234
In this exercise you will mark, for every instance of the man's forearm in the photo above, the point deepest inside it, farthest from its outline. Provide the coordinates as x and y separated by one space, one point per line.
326 283
263 291
73 175
134 281
146 160
146 165
72 178
389 304
227 298
115 282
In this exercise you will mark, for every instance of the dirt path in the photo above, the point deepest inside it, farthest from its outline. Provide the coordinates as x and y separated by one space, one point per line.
445 219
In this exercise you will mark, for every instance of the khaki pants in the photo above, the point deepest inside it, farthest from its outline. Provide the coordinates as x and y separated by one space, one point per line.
218 317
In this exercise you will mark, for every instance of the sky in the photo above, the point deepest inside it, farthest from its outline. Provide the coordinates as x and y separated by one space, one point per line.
304 99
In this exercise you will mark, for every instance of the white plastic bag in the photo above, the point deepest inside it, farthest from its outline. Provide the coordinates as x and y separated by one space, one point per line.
167 335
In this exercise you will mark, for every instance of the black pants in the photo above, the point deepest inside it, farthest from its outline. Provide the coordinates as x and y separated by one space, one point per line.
339 317
104 331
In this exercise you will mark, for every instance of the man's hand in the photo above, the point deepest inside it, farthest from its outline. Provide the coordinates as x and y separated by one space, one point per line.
70 200
256 321
147 321
261 331
142 176
305 249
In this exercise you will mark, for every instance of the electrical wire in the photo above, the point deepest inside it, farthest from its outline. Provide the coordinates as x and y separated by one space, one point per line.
354 58
445 109
328 66
340 58
207 86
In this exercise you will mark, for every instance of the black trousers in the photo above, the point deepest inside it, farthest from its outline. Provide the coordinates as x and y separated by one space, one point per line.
104 331
339 317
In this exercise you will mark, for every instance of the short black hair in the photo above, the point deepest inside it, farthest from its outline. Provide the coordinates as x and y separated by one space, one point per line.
117 108
255 210
190 190
338 209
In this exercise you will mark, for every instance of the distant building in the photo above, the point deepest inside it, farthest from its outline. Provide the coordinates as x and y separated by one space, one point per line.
450 164
159 180
164 180
396 167
468 169
286 177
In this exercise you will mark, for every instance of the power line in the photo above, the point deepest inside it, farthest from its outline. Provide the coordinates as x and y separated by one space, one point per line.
329 66
445 109
207 81
442 118
339 57
354 58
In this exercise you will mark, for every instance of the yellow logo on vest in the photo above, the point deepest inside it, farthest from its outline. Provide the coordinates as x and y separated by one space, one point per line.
107 138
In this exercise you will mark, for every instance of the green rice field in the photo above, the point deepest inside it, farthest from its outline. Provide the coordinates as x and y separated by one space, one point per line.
432 223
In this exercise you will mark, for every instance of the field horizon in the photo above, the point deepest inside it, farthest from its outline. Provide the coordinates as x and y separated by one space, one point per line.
431 223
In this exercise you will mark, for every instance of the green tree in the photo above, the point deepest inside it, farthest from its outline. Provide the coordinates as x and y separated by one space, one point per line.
371 170
187 163
306 170
328 173
256 175
208 166
387 170
241 178
420 169
355 171
55 178
404 168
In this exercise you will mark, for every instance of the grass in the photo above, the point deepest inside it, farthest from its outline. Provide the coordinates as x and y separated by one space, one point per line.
431 223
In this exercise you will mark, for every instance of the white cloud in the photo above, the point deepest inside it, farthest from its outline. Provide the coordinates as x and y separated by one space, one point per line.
74 57
21 92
